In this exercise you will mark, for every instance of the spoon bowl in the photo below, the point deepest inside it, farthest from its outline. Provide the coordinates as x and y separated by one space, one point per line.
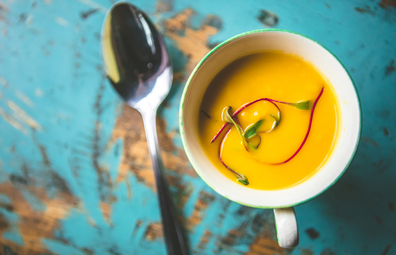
135 57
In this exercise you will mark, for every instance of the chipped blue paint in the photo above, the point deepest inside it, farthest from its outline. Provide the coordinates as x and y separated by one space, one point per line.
4 200
122 235
12 233
61 248
51 69
34 202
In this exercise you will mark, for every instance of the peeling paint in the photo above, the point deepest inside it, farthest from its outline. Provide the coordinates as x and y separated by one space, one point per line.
29 20
13 122
24 99
38 92
129 188
184 195
163 6
390 68
103 175
213 21
327 251
204 200
391 207
34 225
386 4
3 12
231 238
306 252
44 156
56 247
193 43
35 203
204 240
106 211
23 116
370 141
7 207
386 131
136 158
268 19
3 82
365 9
378 219
85 15
154 231
62 21
4 225
94 5
264 244
386 250
312 233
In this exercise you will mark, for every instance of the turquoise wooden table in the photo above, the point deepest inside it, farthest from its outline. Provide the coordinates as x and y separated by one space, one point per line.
75 174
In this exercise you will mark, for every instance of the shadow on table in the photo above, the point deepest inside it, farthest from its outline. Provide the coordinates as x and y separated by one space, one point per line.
361 205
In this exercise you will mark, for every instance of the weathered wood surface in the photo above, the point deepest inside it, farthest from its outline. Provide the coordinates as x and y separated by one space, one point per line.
75 175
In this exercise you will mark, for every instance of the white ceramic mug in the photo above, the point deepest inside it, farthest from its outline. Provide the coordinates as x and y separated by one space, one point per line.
282 201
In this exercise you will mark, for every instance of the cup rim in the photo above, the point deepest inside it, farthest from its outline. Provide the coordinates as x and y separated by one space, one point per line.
204 59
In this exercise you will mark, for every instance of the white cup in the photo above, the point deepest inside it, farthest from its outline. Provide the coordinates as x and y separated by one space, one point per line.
282 201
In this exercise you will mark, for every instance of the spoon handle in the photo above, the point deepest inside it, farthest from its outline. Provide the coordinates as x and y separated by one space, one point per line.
174 239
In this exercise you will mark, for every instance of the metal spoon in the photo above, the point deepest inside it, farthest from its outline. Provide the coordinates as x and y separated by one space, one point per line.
139 68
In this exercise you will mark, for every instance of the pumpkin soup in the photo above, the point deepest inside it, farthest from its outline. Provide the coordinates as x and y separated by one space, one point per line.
268 120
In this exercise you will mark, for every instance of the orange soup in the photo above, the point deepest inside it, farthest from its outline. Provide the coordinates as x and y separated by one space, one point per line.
281 152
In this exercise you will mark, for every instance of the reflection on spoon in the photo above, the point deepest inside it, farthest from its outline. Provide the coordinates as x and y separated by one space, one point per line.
138 66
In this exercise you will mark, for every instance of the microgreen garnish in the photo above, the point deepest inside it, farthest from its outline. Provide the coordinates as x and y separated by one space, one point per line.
240 177
226 117
302 105
252 130
250 138
254 141
277 120
241 109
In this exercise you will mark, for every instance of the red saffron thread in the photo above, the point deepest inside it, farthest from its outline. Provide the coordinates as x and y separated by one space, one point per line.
309 129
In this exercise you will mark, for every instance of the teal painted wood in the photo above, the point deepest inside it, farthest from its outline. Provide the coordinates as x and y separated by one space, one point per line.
62 147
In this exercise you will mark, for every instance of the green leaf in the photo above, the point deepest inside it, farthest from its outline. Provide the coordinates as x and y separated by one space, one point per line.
252 129
254 142
277 121
302 105
227 117
242 178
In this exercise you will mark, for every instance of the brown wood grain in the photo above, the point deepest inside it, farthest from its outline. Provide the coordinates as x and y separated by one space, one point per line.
33 225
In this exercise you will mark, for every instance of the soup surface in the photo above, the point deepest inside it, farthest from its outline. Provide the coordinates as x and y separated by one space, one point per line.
281 77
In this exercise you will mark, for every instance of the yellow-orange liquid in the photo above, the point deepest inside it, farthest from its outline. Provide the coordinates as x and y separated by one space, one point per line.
281 77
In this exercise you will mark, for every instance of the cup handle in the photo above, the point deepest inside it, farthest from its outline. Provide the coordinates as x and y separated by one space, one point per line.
286 227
